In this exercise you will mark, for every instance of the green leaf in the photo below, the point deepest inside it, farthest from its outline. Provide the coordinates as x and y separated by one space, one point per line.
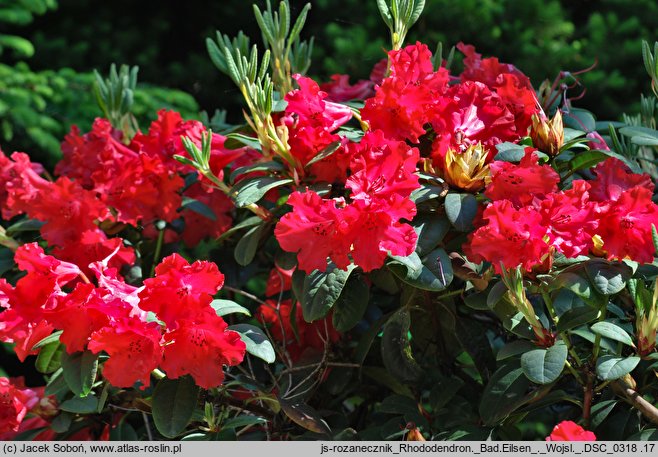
324 153
56 384
461 210
24 225
248 222
654 238
433 272
351 304
642 136
271 166
543 366
257 343
396 348
173 405
49 358
430 229
224 307
246 249
320 290
80 371
238 140
426 192
514 348
587 159
80 405
609 367
576 317
242 421
250 191
305 416
199 208
509 152
49 339
504 392
608 278
612 331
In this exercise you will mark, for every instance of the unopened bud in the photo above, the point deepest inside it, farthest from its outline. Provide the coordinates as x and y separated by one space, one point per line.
467 170
547 136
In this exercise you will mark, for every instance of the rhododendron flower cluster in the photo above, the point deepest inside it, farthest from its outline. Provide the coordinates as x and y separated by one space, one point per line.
111 316
367 226
23 408
529 218
490 104
105 183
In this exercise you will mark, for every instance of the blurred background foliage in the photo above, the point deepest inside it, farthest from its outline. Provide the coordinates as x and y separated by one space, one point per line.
73 37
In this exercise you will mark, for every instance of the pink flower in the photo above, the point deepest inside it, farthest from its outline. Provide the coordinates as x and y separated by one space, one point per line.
570 431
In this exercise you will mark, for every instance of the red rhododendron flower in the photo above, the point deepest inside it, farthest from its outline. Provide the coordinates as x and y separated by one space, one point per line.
470 113
524 183
511 236
78 314
340 90
97 150
571 219
23 322
21 183
15 402
487 70
626 227
310 121
376 232
520 99
403 102
67 210
384 170
570 431
613 177
279 281
134 349
93 246
180 289
316 229
201 347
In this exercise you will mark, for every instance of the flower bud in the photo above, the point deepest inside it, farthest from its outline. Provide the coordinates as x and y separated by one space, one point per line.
467 170
547 136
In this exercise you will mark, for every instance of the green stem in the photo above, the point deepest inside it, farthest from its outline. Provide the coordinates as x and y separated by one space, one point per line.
551 311
158 250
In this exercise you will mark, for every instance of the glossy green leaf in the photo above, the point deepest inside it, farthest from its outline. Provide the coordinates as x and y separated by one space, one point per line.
223 307
396 348
246 249
80 405
612 331
461 210
257 343
80 371
609 367
543 366
320 290
49 358
433 272
250 191
351 304
174 402
608 278
504 392
576 317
